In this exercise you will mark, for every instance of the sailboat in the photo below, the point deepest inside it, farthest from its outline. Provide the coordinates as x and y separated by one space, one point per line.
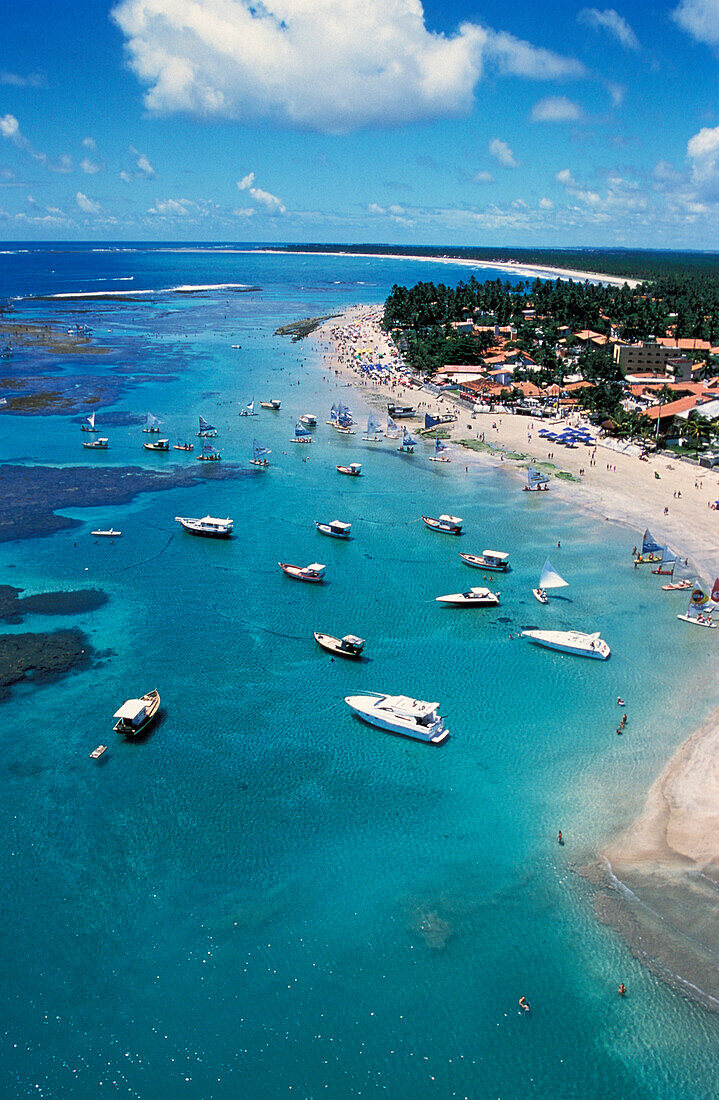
666 565
333 417
249 410
344 420
392 429
89 426
699 610
208 453
302 435
440 452
682 578
207 430
408 443
651 550
258 454
536 481
549 579
374 429
152 423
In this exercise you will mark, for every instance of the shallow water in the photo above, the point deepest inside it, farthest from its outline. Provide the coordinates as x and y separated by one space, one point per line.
265 896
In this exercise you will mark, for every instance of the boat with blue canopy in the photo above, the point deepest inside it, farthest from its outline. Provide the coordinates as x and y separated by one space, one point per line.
258 454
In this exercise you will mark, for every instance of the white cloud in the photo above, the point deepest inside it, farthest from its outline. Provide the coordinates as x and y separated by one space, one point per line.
329 65
616 93
244 211
272 204
703 154
556 108
502 153
10 129
172 208
90 167
375 208
611 21
700 19
126 177
546 204
89 143
14 80
87 205
144 166
483 176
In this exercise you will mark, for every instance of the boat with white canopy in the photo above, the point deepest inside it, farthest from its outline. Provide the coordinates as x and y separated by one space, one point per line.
473 597
571 641
353 470
549 579
335 529
135 715
309 420
314 573
209 526
273 405
488 559
400 714
398 411
158 445
446 525
99 444
349 646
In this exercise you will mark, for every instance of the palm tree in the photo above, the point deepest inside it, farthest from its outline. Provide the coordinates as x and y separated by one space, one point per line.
699 430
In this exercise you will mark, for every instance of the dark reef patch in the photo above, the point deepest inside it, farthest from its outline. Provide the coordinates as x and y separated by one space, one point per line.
32 494
41 657
14 607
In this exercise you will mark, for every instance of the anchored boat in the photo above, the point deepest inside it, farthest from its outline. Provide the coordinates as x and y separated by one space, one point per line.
160 445
210 526
570 641
413 718
488 559
446 525
135 715
353 470
349 646
314 573
474 597
99 444
336 529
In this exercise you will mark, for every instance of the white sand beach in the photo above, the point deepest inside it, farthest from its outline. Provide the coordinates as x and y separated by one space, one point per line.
665 868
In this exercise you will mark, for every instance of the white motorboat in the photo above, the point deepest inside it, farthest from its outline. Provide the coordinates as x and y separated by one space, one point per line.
160 445
308 420
488 559
273 405
336 529
399 714
314 573
210 526
349 646
99 444
571 641
446 525
473 597
111 534
353 470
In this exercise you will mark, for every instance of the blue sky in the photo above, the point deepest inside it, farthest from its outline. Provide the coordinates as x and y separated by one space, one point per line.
494 123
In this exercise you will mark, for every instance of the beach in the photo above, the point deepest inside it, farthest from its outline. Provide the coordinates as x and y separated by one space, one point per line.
663 871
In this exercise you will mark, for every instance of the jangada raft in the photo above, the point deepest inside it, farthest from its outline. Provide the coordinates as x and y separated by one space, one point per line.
349 646
399 714
570 641
446 525
135 715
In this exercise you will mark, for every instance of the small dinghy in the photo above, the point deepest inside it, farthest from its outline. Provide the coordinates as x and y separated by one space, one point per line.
349 646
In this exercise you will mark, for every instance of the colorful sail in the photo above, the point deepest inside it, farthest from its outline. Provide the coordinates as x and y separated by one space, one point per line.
715 591
300 430
258 451
698 601
650 544
206 427
407 439
430 421
391 426
550 578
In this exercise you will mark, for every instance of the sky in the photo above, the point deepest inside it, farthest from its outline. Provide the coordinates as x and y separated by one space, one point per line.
492 123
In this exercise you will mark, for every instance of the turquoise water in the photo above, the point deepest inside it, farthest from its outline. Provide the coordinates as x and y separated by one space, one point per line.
266 898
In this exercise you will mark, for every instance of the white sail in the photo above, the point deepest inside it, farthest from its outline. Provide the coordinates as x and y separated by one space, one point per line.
91 420
699 603
391 426
550 578
669 559
152 421
373 424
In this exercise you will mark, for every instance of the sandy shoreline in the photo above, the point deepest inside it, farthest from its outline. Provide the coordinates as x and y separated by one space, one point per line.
527 271
658 883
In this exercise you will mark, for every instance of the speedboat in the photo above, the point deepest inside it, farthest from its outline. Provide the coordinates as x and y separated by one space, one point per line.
399 714
160 445
448 525
135 715
274 404
349 646
473 597
336 529
354 469
314 573
99 444
308 420
209 526
488 559
111 534
571 641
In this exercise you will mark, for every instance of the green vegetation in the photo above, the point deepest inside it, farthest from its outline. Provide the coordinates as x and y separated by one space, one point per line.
299 329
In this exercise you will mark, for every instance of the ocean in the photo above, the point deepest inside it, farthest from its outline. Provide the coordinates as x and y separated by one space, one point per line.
265 898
